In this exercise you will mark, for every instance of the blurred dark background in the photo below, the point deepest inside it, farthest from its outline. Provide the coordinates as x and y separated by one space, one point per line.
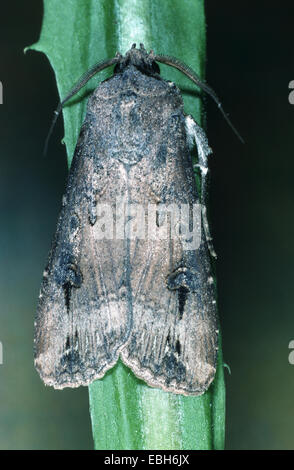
250 63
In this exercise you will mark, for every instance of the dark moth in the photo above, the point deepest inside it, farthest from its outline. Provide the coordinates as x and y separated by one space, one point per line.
148 300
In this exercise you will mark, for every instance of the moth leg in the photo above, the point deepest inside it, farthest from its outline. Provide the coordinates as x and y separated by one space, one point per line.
197 135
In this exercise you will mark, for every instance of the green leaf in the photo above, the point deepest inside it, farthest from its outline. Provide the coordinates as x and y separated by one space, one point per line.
125 412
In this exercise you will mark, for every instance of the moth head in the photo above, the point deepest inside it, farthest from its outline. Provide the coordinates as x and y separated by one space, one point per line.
139 58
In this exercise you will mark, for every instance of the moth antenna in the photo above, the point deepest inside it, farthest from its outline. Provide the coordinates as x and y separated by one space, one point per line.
81 82
186 70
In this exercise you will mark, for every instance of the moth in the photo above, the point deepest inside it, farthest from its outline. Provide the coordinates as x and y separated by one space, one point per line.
110 288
